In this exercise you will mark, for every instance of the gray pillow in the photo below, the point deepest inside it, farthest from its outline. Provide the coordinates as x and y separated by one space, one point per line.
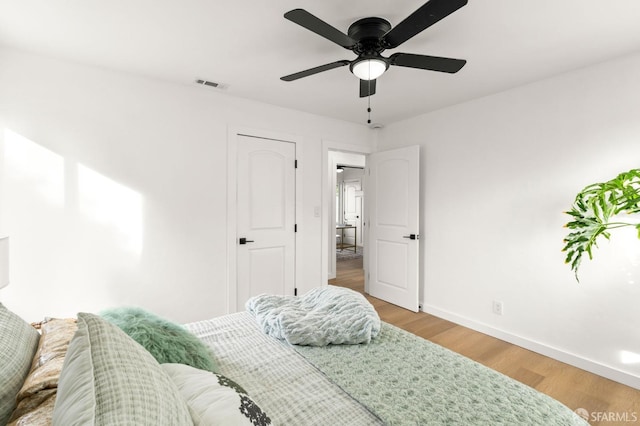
18 344
109 379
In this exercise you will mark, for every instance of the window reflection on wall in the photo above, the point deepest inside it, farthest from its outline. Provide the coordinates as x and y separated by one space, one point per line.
40 168
111 204
108 207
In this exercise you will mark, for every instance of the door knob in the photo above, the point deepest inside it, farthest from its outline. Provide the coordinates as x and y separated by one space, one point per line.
412 236
245 241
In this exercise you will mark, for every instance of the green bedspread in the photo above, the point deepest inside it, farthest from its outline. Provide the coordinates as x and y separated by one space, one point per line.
404 379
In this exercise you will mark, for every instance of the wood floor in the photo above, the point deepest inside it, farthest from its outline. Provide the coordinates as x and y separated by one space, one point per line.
604 399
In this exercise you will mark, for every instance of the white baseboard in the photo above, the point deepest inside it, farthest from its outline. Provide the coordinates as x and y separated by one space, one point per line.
541 348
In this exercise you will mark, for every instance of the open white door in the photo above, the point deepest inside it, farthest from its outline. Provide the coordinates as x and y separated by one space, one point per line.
393 194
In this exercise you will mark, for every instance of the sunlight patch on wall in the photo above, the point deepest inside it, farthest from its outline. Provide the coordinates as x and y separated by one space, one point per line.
113 205
628 357
627 252
29 162
615 261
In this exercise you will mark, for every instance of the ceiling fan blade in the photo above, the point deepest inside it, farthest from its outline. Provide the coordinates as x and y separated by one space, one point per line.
427 15
315 70
318 26
423 62
367 88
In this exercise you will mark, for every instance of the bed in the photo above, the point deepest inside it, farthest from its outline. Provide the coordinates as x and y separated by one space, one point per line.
394 378
398 378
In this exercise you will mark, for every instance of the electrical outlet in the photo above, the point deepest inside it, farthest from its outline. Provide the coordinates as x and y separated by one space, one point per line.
497 307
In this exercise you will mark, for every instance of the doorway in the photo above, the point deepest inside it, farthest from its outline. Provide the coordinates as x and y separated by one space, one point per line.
391 226
346 221
349 212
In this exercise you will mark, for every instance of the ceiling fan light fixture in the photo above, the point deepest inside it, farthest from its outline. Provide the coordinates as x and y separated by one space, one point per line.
369 68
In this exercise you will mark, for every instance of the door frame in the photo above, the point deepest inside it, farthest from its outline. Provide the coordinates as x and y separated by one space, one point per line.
232 237
328 193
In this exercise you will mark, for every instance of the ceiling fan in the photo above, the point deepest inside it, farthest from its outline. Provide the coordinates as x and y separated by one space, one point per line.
369 37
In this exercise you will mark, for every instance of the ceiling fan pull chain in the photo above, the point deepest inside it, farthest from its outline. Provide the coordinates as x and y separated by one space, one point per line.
369 104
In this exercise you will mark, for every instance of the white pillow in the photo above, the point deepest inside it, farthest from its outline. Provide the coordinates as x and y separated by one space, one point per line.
214 399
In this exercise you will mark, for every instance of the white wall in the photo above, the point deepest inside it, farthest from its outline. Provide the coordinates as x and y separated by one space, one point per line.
126 204
497 174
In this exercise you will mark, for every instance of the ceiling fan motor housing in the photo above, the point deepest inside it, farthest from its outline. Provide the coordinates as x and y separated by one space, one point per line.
368 32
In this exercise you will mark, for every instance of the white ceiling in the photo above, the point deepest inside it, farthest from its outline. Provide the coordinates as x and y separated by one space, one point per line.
249 46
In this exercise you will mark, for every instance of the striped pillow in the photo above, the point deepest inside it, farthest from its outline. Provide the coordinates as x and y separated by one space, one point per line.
18 344
109 379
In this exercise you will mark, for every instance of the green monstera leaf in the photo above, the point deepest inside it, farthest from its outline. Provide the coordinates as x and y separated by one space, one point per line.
598 209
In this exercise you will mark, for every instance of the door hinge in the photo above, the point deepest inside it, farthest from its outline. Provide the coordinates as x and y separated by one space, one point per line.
295 164
295 291
295 228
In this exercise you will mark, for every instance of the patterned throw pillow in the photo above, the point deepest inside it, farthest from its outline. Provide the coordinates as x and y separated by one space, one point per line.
18 344
214 399
109 379
38 394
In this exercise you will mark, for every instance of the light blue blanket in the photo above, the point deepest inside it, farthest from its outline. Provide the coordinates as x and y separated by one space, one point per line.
323 316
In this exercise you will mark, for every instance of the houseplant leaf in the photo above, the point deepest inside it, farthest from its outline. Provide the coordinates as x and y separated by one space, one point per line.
593 210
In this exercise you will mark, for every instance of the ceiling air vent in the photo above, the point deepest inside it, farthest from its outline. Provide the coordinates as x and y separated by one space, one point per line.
219 86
